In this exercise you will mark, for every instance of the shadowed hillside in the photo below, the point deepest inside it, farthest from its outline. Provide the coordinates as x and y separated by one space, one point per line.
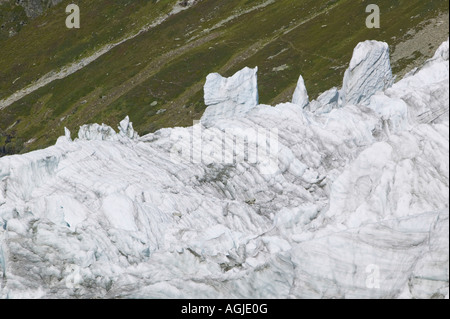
156 76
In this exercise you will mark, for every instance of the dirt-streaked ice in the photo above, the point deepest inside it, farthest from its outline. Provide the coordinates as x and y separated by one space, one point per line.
357 206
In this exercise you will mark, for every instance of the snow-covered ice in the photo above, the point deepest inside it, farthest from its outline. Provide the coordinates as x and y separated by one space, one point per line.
356 207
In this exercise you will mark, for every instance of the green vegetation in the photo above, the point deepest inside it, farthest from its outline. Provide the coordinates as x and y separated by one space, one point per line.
165 67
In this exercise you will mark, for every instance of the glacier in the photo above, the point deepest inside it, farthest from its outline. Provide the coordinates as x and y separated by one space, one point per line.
230 97
347 199
301 97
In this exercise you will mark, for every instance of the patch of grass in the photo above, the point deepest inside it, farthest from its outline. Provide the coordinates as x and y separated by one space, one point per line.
169 63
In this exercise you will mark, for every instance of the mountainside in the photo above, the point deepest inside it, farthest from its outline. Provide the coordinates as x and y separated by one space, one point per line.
343 196
148 59
14 14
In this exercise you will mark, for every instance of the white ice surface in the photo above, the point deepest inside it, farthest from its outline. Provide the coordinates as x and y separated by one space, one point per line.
358 191
369 72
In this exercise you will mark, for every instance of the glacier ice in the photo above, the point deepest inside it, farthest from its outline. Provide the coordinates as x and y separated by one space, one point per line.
326 101
104 132
230 97
357 206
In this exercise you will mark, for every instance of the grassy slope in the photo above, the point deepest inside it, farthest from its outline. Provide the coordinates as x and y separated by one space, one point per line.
165 67
45 44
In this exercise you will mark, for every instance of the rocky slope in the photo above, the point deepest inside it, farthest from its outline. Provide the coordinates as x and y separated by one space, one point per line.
34 8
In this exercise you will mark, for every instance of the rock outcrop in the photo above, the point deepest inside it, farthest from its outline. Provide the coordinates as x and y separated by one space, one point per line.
369 72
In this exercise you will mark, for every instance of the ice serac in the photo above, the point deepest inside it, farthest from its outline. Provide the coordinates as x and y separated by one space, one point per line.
369 71
230 97
104 132
357 192
301 94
